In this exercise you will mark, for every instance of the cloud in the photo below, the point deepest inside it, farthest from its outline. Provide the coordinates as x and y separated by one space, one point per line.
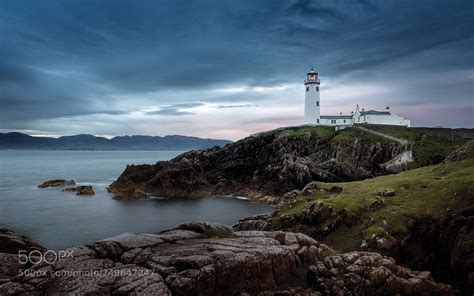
236 106
175 109
119 59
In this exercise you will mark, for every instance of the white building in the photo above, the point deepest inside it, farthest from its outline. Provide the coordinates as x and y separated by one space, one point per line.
312 114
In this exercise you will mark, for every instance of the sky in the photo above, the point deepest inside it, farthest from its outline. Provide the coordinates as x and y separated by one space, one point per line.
227 69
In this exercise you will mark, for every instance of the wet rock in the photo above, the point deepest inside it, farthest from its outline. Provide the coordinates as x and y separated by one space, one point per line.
81 190
57 183
12 242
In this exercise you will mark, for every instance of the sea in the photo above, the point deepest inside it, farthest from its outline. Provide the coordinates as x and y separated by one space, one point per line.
59 219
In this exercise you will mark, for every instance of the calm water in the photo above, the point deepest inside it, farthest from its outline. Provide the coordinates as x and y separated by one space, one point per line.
61 219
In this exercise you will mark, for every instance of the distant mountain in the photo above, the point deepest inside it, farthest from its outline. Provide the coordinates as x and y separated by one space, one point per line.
89 142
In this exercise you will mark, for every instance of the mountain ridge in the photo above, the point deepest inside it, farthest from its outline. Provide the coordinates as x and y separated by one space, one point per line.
17 140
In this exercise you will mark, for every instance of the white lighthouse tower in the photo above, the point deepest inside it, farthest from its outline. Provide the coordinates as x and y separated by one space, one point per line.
311 101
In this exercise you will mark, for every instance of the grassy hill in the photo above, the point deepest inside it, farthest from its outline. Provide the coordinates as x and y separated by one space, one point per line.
430 145
428 191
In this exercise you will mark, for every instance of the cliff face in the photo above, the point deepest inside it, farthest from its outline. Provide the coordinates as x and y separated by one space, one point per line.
268 164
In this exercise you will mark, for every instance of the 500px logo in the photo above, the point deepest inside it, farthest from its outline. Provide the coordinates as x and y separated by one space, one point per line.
36 257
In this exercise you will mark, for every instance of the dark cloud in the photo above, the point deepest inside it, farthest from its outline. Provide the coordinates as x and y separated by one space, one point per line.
314 9
74 58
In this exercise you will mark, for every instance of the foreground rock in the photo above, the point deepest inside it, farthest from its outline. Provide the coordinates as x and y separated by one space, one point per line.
207 259
57 183
81 190
12 242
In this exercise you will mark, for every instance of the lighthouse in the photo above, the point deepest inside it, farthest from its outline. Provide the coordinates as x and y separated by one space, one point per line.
311 101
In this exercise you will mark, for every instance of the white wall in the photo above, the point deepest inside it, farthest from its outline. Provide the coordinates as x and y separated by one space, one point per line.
311 104
391 119
324 121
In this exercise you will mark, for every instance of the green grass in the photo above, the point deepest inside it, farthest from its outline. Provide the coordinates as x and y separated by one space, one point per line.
323 132
424 192
295 209
298 207
343 239
427 147
348 135
430 146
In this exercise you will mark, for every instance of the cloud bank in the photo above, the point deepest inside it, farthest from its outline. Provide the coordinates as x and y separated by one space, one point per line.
228 69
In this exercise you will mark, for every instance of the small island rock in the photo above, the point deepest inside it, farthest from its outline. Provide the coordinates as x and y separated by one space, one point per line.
81 190
57 183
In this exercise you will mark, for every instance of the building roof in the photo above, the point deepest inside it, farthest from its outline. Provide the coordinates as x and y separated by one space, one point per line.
336 117
312 72
373 112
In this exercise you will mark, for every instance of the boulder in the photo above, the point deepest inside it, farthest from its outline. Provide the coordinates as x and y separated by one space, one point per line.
375 205
461 153
384 192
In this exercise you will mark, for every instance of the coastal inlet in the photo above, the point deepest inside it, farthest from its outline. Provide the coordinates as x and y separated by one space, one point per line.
58 219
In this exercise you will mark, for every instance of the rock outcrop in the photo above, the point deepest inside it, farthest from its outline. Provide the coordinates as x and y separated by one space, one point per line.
268 164
57 183
463 152
208 259
81 190
12 242
444 246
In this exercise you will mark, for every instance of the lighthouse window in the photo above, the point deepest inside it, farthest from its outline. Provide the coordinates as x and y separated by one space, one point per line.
317 88
317 103
307 88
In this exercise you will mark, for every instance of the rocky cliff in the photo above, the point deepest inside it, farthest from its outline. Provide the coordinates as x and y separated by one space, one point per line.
268 164
422 217
200 258
275 162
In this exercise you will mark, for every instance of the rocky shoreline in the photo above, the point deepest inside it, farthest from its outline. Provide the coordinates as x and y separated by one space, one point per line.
262 167
200 258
